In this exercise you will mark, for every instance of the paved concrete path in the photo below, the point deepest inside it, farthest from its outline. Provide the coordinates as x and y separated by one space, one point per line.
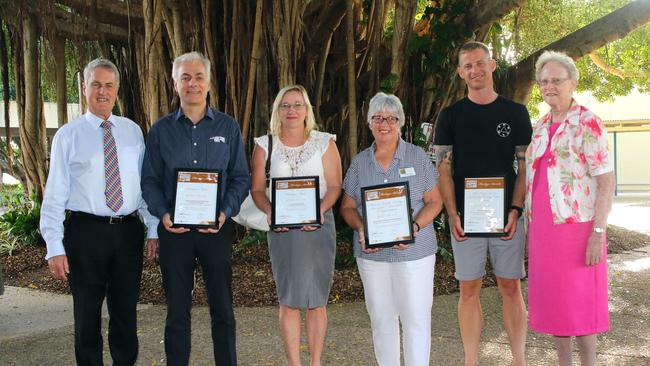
36 329
631 211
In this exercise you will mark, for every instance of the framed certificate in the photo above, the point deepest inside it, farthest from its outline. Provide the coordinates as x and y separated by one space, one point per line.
387 217
197 199
484 211
295 202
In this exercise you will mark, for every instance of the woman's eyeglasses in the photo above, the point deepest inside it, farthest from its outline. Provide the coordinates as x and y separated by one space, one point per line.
554 81
295 106
379 120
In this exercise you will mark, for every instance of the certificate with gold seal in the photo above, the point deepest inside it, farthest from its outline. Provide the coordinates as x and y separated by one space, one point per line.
484 211
295 202
387 217
197 199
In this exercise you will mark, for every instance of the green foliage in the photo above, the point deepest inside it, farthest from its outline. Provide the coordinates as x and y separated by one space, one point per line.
251 238
20 224
534 101
420 139
389 84
524 31
12 92
439 51
437 48
12 196
8 244
47 86
443 235
502 68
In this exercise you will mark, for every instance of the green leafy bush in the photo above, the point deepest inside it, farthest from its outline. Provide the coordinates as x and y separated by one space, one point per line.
251 238
443 235
20 224
12 196
8 244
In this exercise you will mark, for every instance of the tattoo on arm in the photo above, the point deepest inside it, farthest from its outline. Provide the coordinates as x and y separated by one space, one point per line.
520 152
443 153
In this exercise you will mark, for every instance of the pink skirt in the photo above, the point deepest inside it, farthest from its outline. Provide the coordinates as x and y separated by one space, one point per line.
565 296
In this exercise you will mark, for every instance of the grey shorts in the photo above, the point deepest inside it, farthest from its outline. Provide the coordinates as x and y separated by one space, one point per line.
506 257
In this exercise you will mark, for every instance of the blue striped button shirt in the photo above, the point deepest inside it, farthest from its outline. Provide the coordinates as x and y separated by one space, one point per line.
365 171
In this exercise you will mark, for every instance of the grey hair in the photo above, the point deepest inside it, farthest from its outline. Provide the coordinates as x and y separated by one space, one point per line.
562 59
383 102
102 63
190 57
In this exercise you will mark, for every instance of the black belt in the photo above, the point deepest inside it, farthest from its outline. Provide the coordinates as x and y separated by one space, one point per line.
107 219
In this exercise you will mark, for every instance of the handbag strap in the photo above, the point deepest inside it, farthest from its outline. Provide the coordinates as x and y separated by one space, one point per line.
267 168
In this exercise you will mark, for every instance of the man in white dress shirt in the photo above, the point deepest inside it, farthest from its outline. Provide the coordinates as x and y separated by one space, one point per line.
90 220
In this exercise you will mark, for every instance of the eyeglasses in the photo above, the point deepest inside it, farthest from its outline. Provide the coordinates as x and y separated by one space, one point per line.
295 106
379 120
554 81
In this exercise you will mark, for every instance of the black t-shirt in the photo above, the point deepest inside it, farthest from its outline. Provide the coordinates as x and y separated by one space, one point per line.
484 139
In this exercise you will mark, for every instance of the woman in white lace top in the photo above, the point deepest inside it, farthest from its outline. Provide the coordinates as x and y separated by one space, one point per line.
302 259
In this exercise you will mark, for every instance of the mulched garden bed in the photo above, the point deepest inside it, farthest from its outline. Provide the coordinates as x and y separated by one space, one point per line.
252 278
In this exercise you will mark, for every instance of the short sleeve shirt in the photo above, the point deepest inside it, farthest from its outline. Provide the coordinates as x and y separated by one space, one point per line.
365 171
484 137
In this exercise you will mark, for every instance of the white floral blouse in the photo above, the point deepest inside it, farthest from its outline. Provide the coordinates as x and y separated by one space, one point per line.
579 153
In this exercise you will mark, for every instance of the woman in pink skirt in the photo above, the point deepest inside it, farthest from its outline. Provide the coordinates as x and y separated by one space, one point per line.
569 190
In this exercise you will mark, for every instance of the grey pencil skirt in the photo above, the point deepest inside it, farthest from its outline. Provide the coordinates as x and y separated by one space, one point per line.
303 264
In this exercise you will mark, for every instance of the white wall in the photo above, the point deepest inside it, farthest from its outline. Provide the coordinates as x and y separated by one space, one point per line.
51 115
632 159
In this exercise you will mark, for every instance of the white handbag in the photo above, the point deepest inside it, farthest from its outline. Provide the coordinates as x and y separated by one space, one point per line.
249 215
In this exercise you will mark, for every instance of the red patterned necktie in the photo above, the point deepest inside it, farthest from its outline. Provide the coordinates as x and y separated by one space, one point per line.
113 190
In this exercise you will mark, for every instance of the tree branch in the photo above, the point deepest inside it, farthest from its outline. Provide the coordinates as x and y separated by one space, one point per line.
612 70
488 12
73 26
67 24
518 82
123 14
323 20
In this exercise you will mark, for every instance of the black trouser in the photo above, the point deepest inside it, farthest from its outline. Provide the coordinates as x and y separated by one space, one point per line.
105 261
178 255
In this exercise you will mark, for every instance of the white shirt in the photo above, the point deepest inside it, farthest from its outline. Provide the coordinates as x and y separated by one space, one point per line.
76 180
305 160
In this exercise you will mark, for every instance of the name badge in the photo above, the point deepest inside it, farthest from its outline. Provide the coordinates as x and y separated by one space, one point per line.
406 172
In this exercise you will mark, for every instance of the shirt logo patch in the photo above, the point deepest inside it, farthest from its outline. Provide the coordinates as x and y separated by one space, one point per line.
503 129
218 139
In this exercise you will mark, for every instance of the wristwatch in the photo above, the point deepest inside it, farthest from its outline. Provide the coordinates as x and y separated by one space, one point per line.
599 230
520 210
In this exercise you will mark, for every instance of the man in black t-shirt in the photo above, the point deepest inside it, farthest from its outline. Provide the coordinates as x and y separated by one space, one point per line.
480 136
